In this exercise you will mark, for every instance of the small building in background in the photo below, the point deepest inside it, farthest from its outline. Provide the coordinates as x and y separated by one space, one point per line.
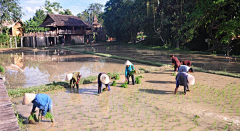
65 29
15 28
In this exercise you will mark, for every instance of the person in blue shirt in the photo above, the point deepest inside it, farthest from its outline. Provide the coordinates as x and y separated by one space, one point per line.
183 79
42 101
184 68
103 79
128 70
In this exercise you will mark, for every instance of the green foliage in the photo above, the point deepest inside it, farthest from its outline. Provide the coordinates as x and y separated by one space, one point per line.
49 116
66 12
2 69
33 117
138 81
125 85
132 72
174 74
10 10
97 10
114 83
117 77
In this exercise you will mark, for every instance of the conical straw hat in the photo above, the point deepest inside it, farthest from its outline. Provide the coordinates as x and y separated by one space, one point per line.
104 79
128 62
191 79
28 98
69 77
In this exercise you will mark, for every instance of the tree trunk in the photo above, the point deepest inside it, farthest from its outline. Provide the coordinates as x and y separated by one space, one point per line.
228 49
177 44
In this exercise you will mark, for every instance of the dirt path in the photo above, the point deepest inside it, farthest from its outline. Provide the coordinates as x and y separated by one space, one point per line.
212 104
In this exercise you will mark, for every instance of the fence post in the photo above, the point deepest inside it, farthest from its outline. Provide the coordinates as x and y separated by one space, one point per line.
16 41
10 42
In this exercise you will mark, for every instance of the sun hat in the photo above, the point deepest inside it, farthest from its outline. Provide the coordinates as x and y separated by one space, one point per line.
69 77
128 62
104 79
191 79
28 97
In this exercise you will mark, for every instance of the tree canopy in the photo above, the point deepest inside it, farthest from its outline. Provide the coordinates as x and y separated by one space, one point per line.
211 25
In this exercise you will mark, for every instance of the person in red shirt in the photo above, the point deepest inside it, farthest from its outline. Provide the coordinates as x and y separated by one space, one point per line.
175 62
186 62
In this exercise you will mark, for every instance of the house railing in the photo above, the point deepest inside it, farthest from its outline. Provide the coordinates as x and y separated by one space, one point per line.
60 32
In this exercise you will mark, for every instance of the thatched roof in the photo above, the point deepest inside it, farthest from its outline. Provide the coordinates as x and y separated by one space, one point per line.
54 20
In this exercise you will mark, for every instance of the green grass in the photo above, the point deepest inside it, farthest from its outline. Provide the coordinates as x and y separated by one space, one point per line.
2 69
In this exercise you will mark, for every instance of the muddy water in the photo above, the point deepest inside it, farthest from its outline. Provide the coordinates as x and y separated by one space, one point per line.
208 62
147 106
33 68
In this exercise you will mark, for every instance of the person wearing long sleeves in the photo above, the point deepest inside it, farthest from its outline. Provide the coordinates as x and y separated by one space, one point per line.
42 101
184 79
103 78
129 68
184 68
175 62
75 79
186 62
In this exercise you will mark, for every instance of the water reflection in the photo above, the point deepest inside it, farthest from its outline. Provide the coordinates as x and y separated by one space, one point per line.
33 68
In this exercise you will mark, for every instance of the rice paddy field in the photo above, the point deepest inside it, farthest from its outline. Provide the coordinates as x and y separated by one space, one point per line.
213 103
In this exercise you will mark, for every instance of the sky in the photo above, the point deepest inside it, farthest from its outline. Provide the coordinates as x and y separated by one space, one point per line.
29 7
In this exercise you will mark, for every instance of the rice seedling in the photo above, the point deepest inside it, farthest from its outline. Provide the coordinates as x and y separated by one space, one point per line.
114 83
138 81
125 85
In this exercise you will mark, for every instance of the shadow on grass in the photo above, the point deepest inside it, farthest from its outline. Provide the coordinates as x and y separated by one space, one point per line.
151 91
161 82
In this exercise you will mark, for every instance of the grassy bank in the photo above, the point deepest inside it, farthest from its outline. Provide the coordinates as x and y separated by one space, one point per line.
117 57
236 75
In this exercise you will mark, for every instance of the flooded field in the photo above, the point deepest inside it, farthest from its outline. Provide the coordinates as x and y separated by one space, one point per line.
212 103
31 68
147 106
208 62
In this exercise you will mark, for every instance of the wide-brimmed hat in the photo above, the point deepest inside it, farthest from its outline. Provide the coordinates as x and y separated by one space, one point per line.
128 62
104 79
191 79
28 98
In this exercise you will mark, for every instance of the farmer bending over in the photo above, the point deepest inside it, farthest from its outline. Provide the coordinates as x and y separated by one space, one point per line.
42 101
184 68
75 79
186 62
184 79
128 71
175 62
103 79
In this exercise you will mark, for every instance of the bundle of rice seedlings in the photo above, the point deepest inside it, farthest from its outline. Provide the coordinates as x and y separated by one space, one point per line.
114 83
117 77
124 85
138 81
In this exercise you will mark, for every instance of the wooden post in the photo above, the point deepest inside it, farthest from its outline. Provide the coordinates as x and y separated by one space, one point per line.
16 41
10 42
33 41
47 41
21 42
55 40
